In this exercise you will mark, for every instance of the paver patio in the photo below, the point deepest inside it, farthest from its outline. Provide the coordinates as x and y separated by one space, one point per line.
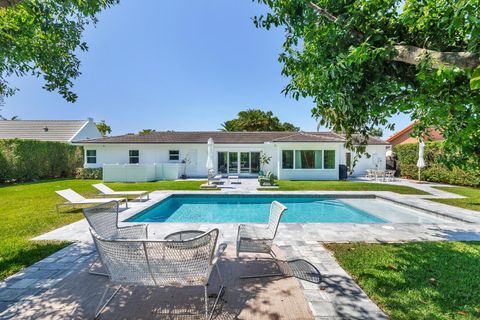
336 297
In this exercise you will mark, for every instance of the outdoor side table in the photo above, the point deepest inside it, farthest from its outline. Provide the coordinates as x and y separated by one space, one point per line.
184 235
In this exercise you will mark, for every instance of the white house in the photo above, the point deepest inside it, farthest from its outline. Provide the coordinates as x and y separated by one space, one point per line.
168 155
68 131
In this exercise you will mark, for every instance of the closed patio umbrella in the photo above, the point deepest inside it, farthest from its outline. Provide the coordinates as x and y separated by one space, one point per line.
421 154
209 164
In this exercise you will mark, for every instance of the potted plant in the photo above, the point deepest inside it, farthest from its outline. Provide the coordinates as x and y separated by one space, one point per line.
264 160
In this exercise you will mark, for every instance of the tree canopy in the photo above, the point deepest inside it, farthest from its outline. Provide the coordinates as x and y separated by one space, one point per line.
363 61
103 128
145 132
257 120
42 38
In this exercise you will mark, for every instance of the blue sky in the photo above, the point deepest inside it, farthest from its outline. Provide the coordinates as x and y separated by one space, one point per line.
170 65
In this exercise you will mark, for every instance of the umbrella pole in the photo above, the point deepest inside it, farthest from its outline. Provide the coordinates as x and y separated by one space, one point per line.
419 174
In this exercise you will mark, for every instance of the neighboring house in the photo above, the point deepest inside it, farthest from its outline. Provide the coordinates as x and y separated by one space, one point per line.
403 136
49 130
161 155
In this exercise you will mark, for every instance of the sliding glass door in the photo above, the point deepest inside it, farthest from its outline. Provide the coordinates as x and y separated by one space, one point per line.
244 162
254 162
238 162
232 162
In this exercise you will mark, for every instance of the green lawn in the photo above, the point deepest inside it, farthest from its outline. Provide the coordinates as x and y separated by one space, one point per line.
28 210
428 280
472 200
288 185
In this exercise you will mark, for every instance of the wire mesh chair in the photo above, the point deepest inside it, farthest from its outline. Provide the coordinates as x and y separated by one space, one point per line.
160 263
103 219
259 239
390 175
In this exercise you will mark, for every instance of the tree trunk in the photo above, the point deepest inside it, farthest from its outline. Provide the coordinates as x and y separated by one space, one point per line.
9 3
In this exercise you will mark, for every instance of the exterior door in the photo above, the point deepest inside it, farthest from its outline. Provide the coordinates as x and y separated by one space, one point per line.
232 162
244 162
254 162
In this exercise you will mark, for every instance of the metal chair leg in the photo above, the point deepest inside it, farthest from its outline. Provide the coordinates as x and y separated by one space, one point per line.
268 275
95 272
101 306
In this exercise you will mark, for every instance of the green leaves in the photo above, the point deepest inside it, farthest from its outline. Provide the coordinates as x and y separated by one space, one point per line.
354 81
41 38
475 79
257 120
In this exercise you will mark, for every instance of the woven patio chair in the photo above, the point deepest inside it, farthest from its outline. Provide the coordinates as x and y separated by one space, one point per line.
259 239
103 219
160 263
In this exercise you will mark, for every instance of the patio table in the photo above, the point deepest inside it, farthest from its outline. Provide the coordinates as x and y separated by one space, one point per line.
184 235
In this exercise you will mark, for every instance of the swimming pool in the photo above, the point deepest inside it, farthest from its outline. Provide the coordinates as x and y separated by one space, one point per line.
301 209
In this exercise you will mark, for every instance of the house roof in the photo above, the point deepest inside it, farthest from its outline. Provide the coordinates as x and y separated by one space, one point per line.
46 130
401 132
432 134
220 137
358 139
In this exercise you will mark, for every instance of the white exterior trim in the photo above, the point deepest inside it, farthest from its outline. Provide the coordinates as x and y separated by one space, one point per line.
155 158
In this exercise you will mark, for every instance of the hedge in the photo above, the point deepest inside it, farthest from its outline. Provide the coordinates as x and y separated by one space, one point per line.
89 173
407 156
26 160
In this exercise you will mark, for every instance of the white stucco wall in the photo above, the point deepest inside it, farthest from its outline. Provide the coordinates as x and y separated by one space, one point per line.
150 154
197 153
88 131
377 160
309 174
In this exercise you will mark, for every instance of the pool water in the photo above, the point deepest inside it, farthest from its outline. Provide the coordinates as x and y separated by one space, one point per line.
255 209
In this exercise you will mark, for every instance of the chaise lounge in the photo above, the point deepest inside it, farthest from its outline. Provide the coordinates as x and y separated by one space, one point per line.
73 198
109 192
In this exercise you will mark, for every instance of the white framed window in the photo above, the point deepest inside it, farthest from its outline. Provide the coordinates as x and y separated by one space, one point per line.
174 155
329 159
308 159
134 156
91 156
287 159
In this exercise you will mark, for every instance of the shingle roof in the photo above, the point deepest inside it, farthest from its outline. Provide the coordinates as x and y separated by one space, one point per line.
359 139
46 130
221 137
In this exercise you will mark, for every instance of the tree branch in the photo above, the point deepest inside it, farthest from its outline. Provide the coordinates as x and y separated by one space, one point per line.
9 3
357 34
414 55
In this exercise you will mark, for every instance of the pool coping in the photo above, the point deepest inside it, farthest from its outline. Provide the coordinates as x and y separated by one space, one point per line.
422 204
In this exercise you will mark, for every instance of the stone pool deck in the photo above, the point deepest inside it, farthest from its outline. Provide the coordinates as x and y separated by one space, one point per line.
337 297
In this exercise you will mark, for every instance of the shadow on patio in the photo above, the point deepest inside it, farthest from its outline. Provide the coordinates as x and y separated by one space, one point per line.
77 296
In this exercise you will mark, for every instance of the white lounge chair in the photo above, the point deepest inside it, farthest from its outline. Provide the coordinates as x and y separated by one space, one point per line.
160 263
74 198
215 179
258 239
109 192
103 218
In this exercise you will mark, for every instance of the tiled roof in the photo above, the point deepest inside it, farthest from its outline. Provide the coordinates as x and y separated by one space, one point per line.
46 130
359 139
221 137
401 132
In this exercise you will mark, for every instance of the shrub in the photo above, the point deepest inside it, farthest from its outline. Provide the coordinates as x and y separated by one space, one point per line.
24 160
407 156
89 173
